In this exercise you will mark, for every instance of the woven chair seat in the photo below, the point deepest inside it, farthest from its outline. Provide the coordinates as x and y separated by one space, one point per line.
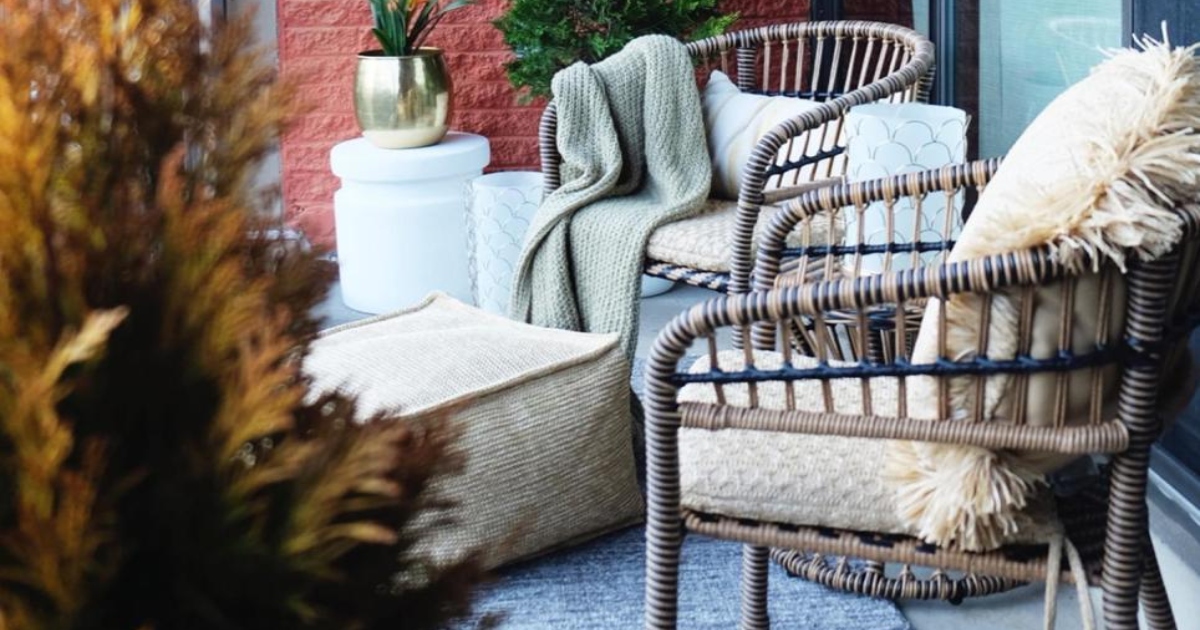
801 479
703 242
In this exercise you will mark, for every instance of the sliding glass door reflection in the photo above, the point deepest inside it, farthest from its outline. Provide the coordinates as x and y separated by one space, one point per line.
1029 52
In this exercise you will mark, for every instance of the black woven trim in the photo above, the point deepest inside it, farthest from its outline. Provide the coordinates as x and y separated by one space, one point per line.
881 248
812 95
1141 354
1065 362
711 280
790 165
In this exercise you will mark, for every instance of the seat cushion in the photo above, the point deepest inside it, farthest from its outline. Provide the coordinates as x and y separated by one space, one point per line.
544 414
819 481
704 241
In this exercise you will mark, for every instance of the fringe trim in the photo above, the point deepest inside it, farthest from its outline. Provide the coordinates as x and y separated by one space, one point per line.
1137 178
964 497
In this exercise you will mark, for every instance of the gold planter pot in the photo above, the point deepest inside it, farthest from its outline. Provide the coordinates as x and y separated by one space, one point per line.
402 102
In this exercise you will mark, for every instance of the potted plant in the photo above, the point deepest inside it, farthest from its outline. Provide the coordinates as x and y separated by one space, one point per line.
402 92
166 463
549 35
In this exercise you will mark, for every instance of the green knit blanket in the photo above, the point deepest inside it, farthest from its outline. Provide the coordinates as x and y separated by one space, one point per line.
631 137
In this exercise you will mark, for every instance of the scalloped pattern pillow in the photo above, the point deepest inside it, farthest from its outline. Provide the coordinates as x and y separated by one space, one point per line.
1100 170
736 121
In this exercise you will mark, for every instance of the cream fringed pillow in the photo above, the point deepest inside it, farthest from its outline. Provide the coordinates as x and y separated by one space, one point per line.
1098 171
736 121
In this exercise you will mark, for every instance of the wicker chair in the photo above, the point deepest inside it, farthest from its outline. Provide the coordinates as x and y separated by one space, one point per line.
1107 523
840 64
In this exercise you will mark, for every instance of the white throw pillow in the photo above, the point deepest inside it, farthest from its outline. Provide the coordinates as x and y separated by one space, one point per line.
736 121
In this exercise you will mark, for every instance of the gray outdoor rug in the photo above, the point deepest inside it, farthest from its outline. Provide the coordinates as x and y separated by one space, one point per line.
600 585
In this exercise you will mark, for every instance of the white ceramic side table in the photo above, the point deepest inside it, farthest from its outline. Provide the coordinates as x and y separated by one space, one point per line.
400 222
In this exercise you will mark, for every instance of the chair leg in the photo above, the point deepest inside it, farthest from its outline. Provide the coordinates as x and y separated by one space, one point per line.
1127 528
664 530
664 527
1125 540
754 588
663 545
1155 603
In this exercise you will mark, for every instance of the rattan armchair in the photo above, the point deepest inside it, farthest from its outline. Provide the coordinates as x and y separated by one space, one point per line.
747 392
840 64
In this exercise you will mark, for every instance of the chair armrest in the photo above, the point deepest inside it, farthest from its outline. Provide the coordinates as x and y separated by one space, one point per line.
1034 266
833 199
980 275
1109 437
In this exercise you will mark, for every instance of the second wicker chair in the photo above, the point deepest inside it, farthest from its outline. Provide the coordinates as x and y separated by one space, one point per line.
838 64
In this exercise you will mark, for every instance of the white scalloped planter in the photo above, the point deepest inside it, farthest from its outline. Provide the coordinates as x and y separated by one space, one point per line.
500 209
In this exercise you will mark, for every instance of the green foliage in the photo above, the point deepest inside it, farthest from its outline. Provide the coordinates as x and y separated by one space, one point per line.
401 26
549 35
163 462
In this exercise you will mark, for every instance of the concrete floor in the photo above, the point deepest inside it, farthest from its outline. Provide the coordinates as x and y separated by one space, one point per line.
1175 530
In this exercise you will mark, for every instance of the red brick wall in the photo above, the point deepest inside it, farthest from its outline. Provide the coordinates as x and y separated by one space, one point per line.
318 40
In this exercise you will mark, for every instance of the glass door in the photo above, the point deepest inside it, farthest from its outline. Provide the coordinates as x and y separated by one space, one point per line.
1004 60
1029 52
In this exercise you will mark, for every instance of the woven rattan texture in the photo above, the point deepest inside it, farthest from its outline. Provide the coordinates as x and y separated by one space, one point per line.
702 242
859 315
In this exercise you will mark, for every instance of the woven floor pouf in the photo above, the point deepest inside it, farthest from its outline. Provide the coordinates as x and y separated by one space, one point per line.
544 413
